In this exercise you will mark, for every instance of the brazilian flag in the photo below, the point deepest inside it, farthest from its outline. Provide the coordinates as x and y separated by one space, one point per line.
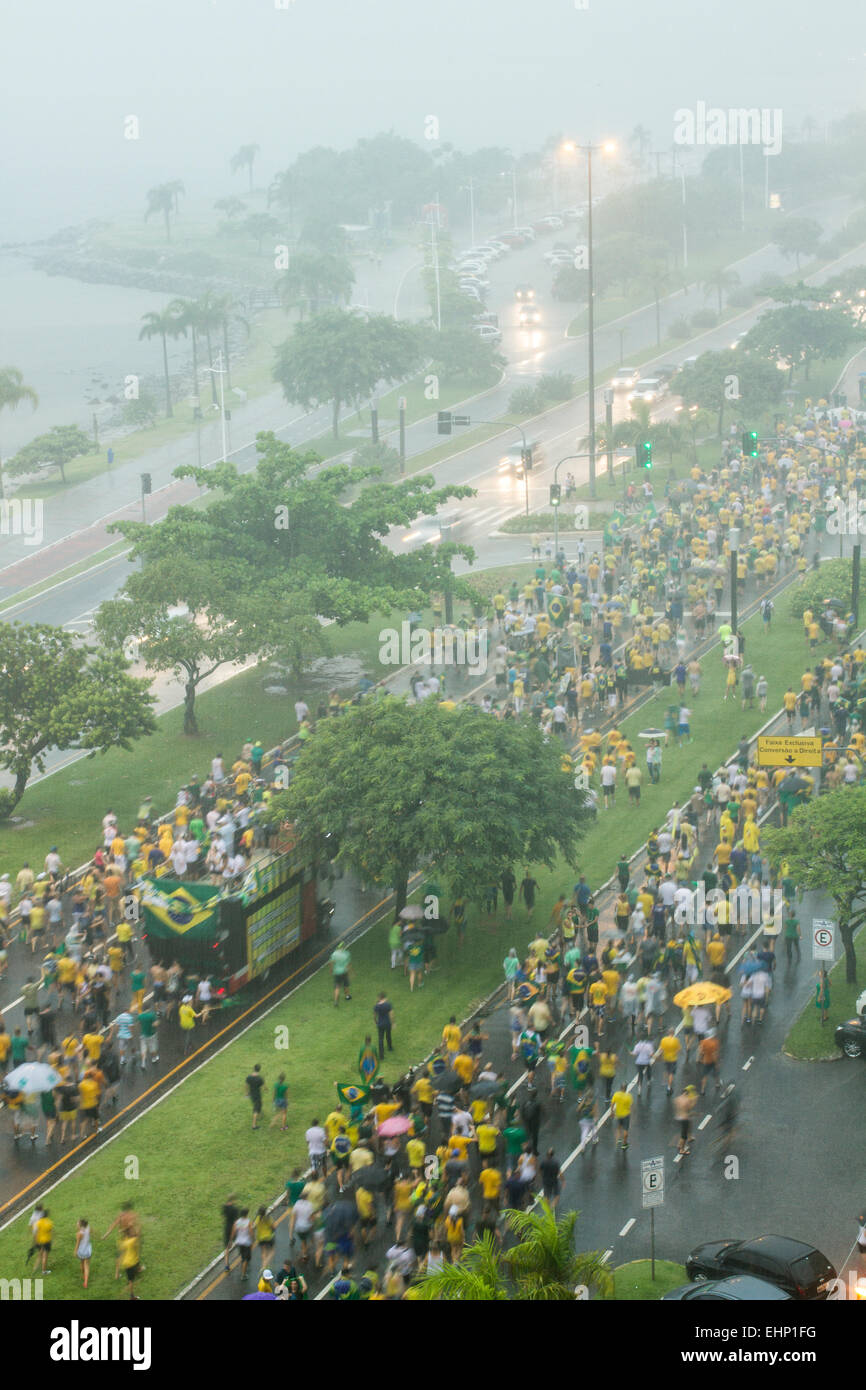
525 992
556 610
352 1094
649 513
554 1048
614 526
368 1063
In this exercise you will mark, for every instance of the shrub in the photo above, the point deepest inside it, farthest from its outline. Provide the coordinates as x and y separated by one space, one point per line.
525 400
704 319
831 580
679 328
556 386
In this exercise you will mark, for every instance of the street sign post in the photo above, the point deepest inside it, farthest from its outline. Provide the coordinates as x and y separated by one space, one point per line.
652 1182
823 939
785 750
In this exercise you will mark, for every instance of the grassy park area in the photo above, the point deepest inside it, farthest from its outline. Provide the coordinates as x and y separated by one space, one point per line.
634 1281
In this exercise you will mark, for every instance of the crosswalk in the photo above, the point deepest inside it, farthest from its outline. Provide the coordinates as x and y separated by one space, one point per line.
484 522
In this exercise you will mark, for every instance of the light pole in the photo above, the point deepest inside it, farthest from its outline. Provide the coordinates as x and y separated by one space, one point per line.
734 544
682 175
220 372
513 175
556 469
470 189
607 148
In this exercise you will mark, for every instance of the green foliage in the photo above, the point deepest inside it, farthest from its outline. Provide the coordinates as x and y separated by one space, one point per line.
141 412
457 354
705 383
399 784
679 328
315 278
798 236
341 357
825 848
703 320
55 449
569 284
525 400
798 335
832 579
556 386
58 693
377 456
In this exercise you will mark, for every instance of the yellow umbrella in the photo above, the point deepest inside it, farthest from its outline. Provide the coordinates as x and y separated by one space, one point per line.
704 992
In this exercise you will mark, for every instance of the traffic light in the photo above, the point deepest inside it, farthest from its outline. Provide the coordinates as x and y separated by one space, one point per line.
555 494
750 444
526 460
145 483
643 454
443 422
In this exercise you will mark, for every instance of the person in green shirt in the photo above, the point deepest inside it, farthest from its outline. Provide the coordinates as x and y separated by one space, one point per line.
415 960
281 1104
340 961
295 1186
515 1137
19 1048
196 828
137 982
792 934
395 937
147 1037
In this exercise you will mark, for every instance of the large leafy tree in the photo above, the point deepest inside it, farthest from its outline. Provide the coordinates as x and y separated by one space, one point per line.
259 225
13 392
798 236
719 282
797 335
59 446
341 357
58 692
272 553
400 784
825 847
542 1267
709 382
315 278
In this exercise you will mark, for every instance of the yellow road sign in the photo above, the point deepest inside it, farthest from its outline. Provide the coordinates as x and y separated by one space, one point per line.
788 751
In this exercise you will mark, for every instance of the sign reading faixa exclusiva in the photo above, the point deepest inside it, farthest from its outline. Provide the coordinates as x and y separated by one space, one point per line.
77 1343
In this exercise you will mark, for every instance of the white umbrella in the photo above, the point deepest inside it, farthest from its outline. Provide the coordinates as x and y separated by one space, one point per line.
32 1078
651 733
412 913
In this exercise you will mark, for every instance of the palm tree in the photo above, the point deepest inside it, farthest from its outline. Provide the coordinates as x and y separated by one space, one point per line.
162 199
659 277
164 325
260 225
12 392
244 157
232 207
231 312
186 312
210 316
718 282
544 1265
641 141
541 1267
176 188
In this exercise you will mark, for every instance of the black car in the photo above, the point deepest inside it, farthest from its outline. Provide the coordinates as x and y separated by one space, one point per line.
851 1037
799 1269
739 1288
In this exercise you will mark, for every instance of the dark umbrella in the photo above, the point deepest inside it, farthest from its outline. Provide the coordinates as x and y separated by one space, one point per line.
480 1090
373 1177
446 1081
437 927
411 938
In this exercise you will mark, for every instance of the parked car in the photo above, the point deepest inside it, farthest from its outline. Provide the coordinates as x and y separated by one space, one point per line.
477 267
487 333
489 317
555 258
739 1288
688 362
552 221
624 378
499 246
479 281
799 1269
572 214
471 292
850 1037
528 233
524 292
512 239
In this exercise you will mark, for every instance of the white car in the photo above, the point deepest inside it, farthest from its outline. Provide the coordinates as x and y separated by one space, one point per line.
500 246
559 257
688 362
487 333
572 214
552 221
528 233
471 292
624 378
476 266
648 388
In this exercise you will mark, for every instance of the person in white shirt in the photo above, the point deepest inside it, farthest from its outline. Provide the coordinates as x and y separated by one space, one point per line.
191 850
217 770
642 1052
559 718
178 859
5 890
317 1147
608 783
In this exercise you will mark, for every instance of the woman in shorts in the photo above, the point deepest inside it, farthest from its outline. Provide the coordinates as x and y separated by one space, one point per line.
265 1236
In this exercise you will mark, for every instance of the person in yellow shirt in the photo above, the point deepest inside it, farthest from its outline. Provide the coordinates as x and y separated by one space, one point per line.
597 1000
424 1094
43 1235
464 1066
751 836
670 1048
89 1092
611 980
129 1254
621 1104
723 854
92 1044
451 1036
335 1123
607 1071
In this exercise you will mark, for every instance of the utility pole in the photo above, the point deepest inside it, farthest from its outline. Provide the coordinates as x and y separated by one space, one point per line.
608 430
470 189
434 247
590 324
220 372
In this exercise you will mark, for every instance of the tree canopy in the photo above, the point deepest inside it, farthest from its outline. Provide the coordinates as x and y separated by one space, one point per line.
399 784
59 446
58 692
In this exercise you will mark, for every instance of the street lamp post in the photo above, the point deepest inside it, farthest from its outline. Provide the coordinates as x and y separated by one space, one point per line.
734 544
220 372
568 458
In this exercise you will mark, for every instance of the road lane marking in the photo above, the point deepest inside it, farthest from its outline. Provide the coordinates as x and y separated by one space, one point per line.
628 1225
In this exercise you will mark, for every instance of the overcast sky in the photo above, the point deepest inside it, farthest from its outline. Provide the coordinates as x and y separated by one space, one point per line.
204 76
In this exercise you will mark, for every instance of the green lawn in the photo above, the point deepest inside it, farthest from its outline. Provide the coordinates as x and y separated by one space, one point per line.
633 1282
808 1040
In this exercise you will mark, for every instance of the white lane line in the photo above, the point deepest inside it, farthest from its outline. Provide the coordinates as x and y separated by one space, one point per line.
748 1063
678 1158
628 1225
705 1121
606 1256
